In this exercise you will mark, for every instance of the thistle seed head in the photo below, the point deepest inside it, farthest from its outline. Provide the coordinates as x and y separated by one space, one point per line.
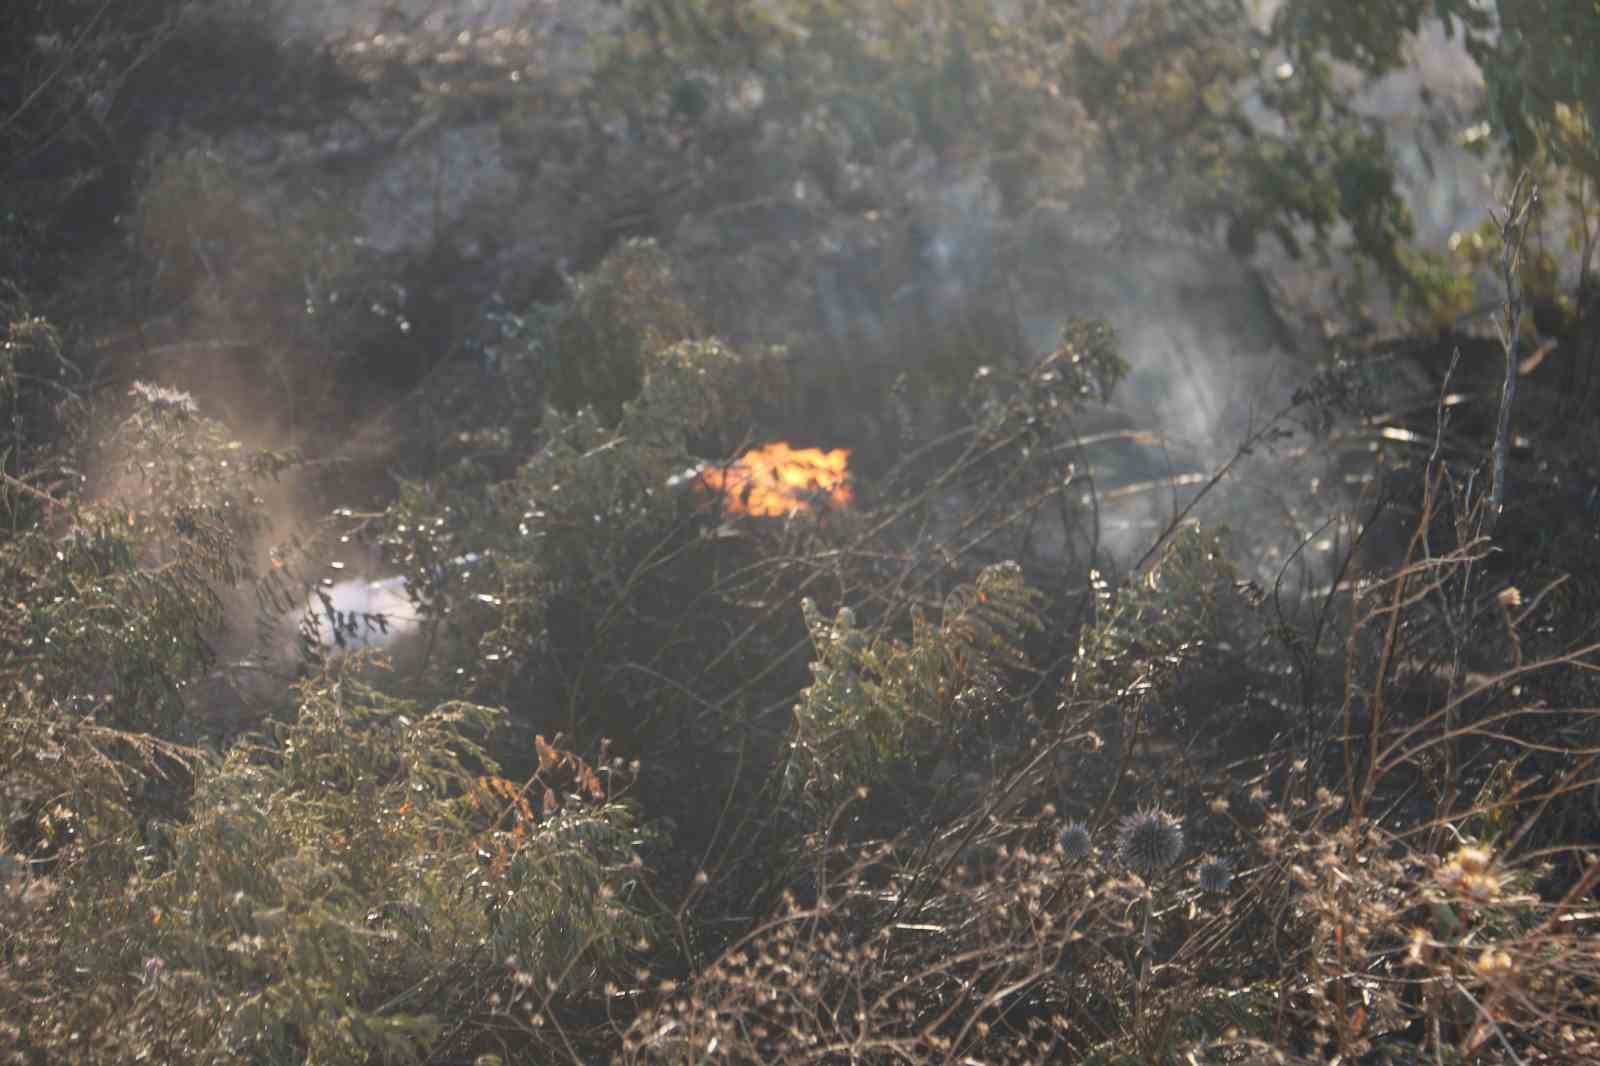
1075 841
1149 841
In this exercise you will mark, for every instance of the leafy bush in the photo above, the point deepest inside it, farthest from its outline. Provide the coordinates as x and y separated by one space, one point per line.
619 317
115 600
1143 631
591 550
875 701
354 881
171 904
113 597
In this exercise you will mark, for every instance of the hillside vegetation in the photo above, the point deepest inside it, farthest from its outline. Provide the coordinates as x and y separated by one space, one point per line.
816 646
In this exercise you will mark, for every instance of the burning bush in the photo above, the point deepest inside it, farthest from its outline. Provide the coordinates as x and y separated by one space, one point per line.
776 480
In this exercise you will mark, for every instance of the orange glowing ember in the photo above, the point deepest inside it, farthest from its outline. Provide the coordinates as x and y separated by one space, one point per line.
777 480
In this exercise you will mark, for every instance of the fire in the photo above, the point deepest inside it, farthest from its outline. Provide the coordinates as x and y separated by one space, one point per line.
776 480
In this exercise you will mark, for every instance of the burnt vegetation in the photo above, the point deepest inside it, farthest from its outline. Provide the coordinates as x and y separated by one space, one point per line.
795 650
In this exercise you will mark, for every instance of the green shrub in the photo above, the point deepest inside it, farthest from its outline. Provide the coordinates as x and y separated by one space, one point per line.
328 897
619 318
112 601
115 599
875 701
1144 630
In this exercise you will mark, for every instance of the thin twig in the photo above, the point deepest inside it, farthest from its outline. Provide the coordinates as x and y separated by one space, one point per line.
1513 232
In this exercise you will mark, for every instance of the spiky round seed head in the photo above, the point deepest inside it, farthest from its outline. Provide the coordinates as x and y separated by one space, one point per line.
1216 875
1075 841
1149 841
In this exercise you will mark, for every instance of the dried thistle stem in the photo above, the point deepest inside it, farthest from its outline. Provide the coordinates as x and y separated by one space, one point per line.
1513 232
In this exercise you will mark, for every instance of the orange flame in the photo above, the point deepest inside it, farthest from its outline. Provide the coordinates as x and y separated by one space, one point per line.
777 480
